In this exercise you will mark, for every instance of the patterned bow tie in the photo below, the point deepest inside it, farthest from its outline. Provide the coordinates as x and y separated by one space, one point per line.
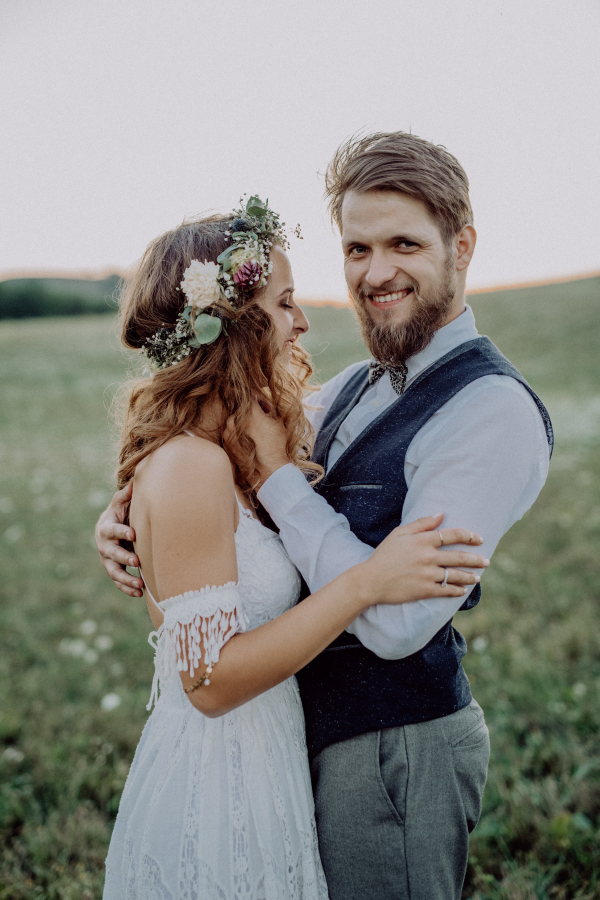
397 374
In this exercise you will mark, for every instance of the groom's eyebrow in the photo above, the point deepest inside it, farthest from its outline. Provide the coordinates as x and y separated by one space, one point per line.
415 237
354 242
395 239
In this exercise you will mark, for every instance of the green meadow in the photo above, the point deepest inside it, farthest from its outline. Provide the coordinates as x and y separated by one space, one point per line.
75 666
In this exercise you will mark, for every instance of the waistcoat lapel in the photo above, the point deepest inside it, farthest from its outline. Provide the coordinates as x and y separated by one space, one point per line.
342 406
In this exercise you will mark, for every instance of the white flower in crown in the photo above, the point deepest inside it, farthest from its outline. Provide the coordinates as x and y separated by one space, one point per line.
200 284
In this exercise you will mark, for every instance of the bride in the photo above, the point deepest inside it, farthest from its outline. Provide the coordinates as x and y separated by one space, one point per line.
218 802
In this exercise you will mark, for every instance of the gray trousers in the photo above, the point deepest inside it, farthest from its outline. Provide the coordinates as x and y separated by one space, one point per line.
395 808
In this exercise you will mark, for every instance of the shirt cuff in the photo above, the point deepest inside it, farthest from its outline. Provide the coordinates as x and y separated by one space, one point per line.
282 491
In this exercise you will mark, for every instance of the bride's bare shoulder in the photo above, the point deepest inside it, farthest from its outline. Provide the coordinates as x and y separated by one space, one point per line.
185 464
184 512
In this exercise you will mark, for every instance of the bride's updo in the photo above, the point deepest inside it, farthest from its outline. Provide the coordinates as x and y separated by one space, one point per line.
242 363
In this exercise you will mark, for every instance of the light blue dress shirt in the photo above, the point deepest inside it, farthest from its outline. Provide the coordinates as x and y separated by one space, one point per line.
482 460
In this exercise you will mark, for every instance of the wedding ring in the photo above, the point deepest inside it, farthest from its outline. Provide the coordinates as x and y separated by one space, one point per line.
445 581
441 539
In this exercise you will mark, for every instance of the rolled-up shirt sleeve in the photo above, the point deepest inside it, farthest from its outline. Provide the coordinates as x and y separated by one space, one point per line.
481 459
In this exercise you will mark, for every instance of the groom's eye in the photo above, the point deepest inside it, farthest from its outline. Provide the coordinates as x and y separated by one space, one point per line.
407 245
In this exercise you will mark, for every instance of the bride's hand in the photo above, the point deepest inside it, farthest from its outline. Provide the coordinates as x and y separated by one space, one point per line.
269 436
410 563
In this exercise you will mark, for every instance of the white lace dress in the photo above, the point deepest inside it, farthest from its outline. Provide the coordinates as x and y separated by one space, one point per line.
220 809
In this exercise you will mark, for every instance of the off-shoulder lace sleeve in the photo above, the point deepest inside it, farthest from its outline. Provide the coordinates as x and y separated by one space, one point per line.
196 619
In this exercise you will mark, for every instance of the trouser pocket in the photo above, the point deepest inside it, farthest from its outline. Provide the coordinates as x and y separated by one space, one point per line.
469 740
393 770
361 834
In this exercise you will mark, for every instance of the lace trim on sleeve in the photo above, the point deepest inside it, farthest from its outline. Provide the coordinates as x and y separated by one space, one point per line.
208 617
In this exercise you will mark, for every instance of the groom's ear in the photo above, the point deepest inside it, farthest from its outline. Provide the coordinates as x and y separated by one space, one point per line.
464 247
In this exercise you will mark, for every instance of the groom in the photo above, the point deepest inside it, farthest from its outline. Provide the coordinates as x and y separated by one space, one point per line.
440 422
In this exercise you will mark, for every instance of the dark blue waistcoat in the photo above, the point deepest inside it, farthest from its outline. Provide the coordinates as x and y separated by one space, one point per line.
347 689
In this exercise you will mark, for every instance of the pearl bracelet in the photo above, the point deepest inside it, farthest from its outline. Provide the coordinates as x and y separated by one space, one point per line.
204 679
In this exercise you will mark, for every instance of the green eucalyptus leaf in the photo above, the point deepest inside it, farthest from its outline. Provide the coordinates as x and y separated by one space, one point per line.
226 264
187 313
207 328
223 256
254 202
255 207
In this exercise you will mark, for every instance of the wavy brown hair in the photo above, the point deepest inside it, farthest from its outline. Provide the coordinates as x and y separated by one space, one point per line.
243 363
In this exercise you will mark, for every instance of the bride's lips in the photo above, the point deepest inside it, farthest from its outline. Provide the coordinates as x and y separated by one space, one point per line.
389 300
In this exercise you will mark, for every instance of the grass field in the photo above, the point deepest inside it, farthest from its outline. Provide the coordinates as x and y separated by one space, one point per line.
75 668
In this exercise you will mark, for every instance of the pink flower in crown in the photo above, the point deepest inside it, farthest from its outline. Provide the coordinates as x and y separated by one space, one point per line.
248 274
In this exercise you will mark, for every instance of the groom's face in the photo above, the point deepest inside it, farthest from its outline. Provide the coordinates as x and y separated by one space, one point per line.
399 271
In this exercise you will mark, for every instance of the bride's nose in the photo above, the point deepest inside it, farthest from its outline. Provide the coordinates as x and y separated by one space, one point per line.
301 324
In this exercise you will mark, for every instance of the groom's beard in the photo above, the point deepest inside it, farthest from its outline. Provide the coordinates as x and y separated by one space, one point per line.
395 343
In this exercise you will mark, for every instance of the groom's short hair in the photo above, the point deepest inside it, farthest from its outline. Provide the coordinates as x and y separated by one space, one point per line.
405 163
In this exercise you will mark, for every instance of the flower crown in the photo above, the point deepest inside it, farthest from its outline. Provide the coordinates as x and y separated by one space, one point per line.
242 268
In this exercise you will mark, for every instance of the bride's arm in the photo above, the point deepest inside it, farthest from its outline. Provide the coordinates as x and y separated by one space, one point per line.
188 497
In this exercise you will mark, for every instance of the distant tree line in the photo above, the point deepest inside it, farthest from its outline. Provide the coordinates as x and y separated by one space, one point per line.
24 298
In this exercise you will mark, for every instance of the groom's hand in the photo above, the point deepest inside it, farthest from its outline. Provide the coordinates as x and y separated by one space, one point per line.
110 531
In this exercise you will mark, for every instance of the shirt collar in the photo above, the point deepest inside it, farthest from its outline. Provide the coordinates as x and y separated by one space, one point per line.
456 332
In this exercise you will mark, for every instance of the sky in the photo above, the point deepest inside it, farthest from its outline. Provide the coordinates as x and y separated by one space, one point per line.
121 118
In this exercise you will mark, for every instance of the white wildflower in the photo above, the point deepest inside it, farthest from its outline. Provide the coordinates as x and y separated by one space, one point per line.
88 627
13 755
103 642
75 647
480 643
13 534
110 702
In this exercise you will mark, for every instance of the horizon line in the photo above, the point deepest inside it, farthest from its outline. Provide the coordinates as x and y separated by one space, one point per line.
107 271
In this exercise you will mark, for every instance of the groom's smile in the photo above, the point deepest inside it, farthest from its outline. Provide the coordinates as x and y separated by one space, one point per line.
390 299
